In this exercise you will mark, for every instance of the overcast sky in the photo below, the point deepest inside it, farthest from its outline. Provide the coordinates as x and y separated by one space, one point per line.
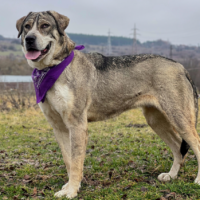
176 21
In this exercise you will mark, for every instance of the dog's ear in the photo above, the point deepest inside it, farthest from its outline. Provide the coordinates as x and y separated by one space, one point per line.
19 24
61 21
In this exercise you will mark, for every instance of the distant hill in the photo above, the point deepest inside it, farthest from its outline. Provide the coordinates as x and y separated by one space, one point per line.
100 40
115 40
12 40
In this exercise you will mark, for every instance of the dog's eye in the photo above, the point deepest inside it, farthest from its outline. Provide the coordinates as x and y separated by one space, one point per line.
27 26
45 26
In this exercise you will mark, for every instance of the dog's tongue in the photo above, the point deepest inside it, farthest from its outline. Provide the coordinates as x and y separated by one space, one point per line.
32 55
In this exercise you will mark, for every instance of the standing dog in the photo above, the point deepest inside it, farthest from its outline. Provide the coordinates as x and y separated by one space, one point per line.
94 87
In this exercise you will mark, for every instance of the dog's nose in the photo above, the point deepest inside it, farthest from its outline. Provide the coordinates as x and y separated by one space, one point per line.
30 39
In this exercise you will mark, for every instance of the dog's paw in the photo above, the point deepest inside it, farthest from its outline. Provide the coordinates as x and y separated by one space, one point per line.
69 193
197 181
164 177
68 190
65 186
60 193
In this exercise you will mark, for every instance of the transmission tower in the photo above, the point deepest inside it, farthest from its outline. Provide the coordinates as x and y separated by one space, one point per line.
134 46
109 44
170 52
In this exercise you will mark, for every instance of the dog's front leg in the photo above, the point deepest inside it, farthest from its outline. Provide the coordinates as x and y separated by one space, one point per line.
78 141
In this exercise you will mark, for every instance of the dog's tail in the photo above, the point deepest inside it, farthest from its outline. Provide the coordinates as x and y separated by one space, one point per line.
184 145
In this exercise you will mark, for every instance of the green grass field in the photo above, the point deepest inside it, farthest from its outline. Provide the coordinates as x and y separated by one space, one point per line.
121 162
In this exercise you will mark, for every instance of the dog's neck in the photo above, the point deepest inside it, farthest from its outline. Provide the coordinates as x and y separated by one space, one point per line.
67 47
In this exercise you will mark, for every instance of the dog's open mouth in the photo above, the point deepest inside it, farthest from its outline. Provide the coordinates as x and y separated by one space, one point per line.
35 55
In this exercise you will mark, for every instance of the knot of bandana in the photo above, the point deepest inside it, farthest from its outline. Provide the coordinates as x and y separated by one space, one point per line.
44 79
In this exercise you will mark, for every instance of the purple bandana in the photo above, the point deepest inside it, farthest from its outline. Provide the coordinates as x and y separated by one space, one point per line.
44 79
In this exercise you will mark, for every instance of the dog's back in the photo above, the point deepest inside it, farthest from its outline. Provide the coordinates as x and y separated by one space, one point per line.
105 63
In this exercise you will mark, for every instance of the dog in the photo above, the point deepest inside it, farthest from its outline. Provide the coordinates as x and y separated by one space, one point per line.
94 87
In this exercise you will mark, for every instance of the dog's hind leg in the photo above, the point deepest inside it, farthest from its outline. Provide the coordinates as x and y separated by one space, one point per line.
191 136
160 124
186 129
169 130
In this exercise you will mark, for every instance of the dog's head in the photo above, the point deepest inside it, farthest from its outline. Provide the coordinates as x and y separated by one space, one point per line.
43 39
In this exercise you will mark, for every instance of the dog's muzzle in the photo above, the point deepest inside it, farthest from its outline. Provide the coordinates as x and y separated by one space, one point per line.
30 42
33 53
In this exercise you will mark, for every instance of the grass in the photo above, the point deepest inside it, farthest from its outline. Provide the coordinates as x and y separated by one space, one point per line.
121 162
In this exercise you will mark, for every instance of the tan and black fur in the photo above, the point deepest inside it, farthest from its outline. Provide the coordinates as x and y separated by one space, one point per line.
94 87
